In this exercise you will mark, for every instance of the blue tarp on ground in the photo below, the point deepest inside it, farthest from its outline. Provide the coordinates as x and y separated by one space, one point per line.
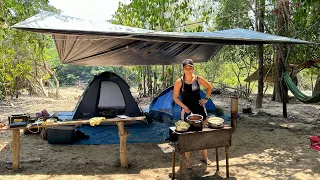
108 134
138 133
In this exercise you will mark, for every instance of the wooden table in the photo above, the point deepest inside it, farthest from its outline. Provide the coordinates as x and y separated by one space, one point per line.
206 139
123 134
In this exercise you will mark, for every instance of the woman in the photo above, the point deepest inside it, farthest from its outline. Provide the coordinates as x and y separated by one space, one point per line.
189 88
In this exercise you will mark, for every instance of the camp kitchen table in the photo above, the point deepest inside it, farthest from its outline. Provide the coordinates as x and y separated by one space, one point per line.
208 138
119 121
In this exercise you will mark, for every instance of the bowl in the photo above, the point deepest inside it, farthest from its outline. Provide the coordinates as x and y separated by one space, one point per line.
215 122
182 126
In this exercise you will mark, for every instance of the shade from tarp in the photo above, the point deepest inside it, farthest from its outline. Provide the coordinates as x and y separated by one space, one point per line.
85 42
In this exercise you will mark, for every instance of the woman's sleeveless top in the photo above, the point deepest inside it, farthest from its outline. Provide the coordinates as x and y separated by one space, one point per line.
190 94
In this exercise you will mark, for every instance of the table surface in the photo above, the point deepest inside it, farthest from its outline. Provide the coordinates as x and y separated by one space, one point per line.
225 127
208 138
81 121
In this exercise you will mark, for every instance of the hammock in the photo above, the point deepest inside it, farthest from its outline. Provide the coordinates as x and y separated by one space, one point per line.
297 93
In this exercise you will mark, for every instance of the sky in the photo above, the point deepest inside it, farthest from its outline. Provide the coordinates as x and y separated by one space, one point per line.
98 10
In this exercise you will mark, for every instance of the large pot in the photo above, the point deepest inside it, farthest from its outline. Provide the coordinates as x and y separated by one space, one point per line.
195 121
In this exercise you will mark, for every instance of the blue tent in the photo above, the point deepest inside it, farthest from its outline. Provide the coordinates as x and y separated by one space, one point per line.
163 107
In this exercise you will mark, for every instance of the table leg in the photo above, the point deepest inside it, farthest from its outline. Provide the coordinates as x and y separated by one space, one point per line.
217 159
173 164
181 165
123 134
227 161
15 149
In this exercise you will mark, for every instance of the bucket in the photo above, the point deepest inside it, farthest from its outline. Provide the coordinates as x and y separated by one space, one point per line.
195 121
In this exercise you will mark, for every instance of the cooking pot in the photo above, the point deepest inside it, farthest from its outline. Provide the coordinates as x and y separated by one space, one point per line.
195 121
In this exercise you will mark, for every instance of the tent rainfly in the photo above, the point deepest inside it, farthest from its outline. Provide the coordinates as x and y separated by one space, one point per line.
84 42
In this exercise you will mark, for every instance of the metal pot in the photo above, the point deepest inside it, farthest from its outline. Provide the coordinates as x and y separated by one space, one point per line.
195 121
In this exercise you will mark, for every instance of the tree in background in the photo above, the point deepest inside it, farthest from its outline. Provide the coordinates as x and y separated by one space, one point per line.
22 54
164 15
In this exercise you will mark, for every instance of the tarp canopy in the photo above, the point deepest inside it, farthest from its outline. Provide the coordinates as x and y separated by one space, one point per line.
86 42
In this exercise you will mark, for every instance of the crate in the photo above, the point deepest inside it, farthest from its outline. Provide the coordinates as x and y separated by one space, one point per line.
18 120
61 134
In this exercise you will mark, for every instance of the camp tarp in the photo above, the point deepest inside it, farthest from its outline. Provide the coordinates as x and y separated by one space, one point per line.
86 42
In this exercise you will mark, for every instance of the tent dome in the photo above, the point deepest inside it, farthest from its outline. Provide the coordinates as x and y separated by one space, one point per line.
107 95
163 107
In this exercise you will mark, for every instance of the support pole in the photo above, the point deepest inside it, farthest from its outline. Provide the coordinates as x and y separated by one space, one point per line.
234 112
217 159
181 165
227 161
15 149
173 164
123 134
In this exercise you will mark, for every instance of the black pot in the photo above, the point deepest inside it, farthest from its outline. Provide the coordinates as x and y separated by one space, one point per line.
195 121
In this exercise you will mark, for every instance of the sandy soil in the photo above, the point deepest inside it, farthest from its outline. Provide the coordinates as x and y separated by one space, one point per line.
265 146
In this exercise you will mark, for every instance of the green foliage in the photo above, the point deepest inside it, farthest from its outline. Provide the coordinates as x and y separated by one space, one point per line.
19 50
71 74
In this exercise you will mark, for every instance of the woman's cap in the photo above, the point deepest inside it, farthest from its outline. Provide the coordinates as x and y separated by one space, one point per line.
188 62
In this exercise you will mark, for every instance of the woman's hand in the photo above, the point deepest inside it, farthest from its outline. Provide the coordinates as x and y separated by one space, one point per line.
186 110
203 101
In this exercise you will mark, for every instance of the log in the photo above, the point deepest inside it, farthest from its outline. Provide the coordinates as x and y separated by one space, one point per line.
123 134
15 149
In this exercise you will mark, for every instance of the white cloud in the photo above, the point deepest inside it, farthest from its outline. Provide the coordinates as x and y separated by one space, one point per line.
99 10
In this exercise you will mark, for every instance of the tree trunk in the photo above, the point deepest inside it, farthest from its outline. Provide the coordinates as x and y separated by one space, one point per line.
4 81
316 89
277 88
144 70
42 87
149 80
260 57
15 88
55 79
282 29
172 76
163 78
155 77
281 52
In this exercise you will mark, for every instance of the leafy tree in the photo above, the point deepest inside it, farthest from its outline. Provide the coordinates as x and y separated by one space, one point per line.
21 53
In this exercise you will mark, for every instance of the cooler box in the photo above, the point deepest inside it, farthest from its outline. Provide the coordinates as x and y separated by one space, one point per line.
61 134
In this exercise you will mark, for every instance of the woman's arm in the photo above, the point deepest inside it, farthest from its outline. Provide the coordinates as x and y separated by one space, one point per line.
208 86
176 93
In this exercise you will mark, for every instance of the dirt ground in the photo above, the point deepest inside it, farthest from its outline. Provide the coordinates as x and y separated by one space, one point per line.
265 146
